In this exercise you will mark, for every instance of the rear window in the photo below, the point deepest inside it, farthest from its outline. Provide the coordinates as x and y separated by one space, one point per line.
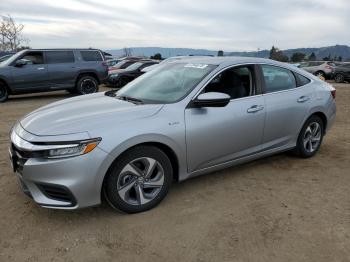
57 57
91 55
301 80
277 78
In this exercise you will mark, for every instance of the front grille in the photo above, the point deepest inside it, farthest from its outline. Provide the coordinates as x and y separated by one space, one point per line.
56 192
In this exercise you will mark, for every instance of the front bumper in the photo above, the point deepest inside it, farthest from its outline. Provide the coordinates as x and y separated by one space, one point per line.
65 183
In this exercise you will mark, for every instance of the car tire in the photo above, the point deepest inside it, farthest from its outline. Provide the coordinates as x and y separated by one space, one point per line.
310 137
87 85
339 78
139 179
3 92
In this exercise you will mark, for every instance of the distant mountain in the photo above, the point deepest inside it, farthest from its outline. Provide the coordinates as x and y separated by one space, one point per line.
336 50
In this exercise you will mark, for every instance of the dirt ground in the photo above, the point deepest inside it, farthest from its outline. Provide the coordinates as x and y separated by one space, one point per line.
276 209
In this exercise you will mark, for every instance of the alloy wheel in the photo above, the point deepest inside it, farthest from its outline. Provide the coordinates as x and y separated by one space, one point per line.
312 137
140 181
88 86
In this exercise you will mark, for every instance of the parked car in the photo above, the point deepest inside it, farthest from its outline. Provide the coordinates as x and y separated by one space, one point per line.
321 69
169 60
342 73
41 70
122 77
122 65
112 62
182 120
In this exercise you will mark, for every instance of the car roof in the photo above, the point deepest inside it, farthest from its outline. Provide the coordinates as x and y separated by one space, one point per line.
64 49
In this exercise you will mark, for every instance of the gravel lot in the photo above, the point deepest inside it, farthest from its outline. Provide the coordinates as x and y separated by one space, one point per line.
276 209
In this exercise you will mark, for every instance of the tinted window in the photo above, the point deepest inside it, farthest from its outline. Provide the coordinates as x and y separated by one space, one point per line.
277 78
57 57
35 58
236 82
91 55
302 80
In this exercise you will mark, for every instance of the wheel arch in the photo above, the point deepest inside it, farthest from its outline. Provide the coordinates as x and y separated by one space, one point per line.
163 145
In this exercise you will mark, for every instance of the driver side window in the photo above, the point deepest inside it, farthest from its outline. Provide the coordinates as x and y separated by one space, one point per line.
237 82
35 58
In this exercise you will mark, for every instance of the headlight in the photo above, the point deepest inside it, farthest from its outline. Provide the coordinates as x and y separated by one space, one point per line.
113 75
75 148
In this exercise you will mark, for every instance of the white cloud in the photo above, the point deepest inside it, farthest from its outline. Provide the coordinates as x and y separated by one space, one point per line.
223 24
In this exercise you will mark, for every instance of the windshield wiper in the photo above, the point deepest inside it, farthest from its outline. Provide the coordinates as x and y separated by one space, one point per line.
130 99
111 93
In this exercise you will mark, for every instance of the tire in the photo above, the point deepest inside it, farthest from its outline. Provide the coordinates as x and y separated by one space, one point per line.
132 186
339 78
310 137
3 92
87 85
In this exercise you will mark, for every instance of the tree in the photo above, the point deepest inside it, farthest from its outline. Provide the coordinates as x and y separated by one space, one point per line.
11 36
278 55
157 56
312 57
297 57
220 53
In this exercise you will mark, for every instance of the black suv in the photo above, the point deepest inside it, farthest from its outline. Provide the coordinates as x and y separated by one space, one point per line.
36 70
342 73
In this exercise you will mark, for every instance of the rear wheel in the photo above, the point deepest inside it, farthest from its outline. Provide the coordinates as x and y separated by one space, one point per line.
3 92
310 137
87 85
138 180
339 78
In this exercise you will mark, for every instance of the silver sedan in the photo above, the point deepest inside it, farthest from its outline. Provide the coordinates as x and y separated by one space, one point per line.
181 120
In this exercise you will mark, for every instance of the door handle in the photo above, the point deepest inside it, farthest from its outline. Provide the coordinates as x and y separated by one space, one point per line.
255 108
303 99
41 68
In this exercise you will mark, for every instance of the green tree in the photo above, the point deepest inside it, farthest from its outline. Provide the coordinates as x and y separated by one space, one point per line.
312 57
220 53
278 55
157 56
297 57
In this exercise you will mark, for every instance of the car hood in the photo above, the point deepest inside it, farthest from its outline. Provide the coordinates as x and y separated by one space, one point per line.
84 114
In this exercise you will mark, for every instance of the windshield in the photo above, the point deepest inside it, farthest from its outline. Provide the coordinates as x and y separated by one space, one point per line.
166 84
13 58
134 66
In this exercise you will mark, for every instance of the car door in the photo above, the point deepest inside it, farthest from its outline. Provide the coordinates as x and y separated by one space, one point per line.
61 68
31 76
215 135
287 103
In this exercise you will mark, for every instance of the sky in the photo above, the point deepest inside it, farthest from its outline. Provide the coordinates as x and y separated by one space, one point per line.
229 25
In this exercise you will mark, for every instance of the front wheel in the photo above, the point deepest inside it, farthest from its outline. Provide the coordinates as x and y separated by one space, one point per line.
310 137
339 78
138 180
87 85
3 93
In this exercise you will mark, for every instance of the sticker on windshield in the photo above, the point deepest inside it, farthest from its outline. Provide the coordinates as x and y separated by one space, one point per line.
198 66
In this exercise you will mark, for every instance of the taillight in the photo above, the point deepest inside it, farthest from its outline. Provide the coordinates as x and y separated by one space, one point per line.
333 92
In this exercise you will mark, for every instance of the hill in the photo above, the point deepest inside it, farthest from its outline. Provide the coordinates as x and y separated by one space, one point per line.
336 50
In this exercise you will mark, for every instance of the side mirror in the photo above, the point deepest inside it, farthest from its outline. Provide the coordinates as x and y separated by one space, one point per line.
212 99
21 62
